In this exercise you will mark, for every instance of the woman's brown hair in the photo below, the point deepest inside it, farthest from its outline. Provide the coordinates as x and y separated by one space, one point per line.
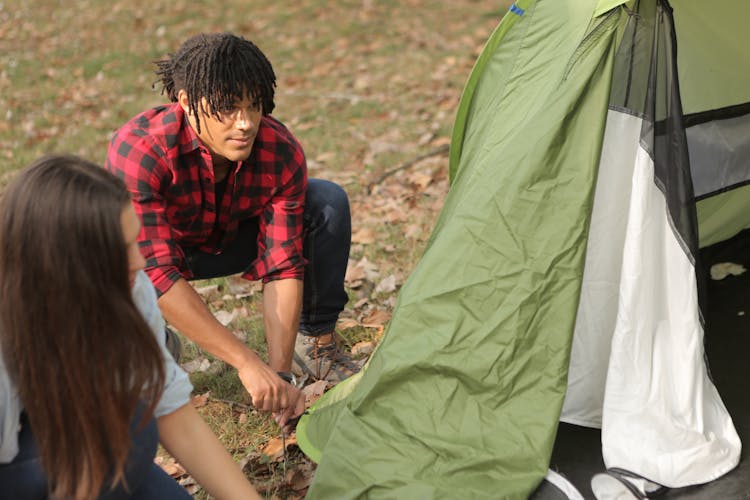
79 352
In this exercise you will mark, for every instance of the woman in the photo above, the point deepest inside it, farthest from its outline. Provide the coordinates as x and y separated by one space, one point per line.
85 378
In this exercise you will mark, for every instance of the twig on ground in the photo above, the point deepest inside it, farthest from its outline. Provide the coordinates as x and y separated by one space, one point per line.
232 403
435 152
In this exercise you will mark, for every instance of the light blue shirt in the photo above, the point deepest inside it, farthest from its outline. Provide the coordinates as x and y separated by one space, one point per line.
177 386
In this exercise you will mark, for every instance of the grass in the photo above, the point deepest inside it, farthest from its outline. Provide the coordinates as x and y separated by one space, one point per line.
365 86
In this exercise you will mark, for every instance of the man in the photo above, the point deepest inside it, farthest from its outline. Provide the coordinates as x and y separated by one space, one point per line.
221 187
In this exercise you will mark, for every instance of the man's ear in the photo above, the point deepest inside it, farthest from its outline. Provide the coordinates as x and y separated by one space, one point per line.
182 98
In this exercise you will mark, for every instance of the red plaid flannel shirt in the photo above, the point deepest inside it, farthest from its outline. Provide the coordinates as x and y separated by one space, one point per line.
170 177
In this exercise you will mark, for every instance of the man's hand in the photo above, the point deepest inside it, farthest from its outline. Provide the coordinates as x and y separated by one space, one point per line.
184 309
272 393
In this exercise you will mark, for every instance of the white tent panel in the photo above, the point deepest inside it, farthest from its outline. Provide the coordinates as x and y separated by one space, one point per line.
662 418
597 309
637 367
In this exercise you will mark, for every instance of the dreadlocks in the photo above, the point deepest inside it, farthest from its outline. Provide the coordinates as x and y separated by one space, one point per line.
220 67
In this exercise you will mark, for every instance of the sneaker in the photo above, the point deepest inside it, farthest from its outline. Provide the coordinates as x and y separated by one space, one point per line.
174 344
323 361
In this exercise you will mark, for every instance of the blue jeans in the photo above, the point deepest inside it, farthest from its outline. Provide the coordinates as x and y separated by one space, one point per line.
327 237
24 478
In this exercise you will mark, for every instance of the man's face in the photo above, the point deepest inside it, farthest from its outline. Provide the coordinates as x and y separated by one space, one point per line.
231 135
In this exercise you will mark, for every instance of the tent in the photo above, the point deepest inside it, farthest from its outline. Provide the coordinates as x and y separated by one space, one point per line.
598 145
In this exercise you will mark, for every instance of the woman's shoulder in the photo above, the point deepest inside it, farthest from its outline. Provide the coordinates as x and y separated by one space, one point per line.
144 296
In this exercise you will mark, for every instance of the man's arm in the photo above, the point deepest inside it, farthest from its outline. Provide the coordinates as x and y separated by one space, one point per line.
281 262
282 303
183 308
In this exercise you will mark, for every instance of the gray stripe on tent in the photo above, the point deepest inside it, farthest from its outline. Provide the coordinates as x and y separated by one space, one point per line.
719 154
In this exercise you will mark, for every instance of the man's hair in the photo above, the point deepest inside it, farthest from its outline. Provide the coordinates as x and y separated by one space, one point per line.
83 359
220 67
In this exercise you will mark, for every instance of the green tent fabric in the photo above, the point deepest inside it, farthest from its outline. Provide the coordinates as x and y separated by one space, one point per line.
462 397
584 141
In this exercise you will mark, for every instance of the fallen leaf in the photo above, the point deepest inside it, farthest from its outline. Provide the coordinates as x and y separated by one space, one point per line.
376 318
397 214
191 488
345 323
173 469
420 179
413 231
443 141
390 302
200 400
225 317
326 157
354 273
364 269
274 449
253 456
196 365
300 480
313 392
207 290
190 484
371 269
724 269
363 347
239 286
387 285
364 235
361 302
425 138
354 284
